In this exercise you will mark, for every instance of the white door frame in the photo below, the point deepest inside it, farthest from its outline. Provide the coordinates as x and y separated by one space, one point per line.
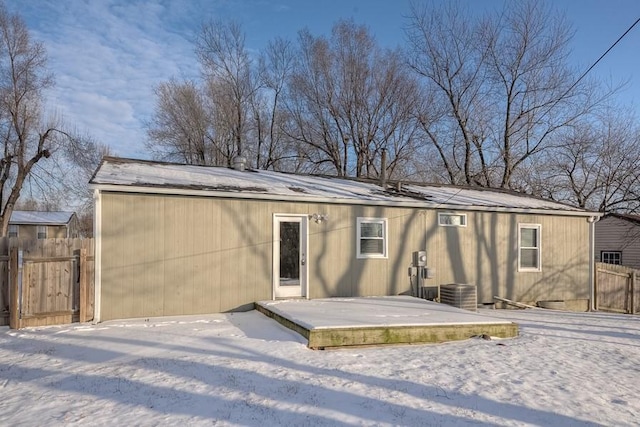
291 291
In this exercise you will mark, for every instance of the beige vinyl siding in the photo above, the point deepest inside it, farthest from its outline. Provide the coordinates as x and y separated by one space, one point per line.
616 234
485 253
172 255
28 232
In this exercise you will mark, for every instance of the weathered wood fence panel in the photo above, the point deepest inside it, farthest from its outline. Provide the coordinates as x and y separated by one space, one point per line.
86 288
617 288
4 281
46 281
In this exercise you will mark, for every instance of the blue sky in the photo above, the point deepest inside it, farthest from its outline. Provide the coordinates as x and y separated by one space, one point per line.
107 55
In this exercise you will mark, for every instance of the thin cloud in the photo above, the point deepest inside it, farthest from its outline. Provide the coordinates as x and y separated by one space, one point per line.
119 50
107 57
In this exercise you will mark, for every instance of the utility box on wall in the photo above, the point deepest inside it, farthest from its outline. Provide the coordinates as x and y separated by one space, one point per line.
420 259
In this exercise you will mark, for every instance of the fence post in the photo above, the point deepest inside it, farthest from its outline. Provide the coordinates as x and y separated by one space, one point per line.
14 290
83 285
632 308
594 303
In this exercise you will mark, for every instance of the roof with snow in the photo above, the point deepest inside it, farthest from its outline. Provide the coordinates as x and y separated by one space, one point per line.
118 174
40 218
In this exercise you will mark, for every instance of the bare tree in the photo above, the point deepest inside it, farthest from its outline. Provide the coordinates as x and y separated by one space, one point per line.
503 87
596 167
310 102
26 137
78 162
446 50
349 100
232 84
299 110
276 66
62 182
209 122
182 126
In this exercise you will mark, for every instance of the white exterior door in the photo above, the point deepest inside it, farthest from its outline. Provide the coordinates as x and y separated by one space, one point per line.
290 256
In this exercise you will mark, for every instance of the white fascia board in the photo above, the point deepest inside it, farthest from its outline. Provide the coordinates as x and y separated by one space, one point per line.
360 202
48 224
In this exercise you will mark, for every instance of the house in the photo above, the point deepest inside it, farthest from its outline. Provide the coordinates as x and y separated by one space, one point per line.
618 240
179 239
43 225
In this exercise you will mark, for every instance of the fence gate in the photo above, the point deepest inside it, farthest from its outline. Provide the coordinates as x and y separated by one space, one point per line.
617 288
47 282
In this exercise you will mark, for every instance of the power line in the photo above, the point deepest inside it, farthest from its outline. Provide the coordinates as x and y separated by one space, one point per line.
599 59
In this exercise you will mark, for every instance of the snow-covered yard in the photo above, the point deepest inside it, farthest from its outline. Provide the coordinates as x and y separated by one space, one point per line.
245 369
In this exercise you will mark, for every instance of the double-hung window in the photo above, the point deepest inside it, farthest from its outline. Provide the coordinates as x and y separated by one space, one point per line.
13 230
372 238
529 248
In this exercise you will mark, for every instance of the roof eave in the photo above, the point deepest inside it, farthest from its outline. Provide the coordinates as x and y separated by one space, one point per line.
40 223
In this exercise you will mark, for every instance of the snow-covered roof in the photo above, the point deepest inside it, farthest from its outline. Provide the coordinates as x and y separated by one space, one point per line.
42 218
117 174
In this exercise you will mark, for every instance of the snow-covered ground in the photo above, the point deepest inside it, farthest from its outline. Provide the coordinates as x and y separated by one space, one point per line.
245 369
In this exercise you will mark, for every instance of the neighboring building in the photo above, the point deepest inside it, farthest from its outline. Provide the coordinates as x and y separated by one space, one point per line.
178 239
618 240
43 225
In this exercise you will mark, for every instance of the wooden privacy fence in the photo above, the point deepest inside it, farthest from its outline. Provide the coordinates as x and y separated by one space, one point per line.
617 288
46 281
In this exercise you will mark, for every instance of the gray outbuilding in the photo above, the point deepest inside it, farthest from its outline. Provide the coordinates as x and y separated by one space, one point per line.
618 240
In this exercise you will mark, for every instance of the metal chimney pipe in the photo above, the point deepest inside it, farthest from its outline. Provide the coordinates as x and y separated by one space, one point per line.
383 169
239 163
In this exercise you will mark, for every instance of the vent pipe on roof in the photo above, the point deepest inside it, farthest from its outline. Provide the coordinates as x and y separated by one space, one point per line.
239 163
383 169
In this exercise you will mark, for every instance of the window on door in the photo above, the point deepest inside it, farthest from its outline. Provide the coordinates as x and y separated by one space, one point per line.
611 257
290 253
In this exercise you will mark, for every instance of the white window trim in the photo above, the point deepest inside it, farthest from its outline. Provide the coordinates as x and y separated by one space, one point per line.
538 227
385 238
441 214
